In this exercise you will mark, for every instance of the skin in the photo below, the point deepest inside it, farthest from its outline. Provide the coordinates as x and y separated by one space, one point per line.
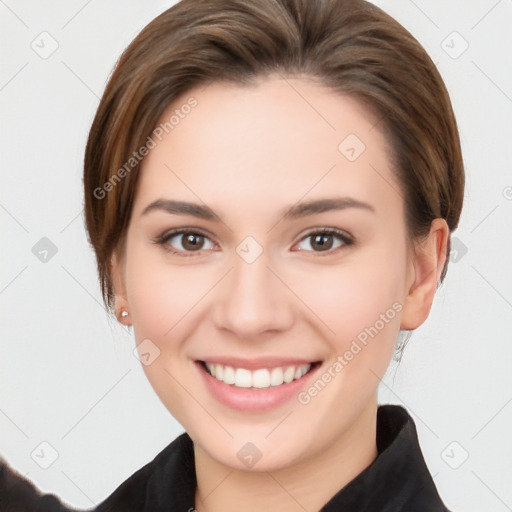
248 153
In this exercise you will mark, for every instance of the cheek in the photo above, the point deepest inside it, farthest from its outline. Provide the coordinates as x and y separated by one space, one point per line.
160 294
354 295
361 305
163 299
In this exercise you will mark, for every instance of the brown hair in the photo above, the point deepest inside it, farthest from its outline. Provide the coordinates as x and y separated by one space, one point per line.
351 46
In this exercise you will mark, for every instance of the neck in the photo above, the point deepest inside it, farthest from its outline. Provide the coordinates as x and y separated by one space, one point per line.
307 485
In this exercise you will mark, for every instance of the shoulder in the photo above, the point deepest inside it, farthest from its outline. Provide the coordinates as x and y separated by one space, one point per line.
401 458
398 479
18 494
134 494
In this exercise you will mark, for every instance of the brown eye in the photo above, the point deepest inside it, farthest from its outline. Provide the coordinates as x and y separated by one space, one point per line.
322 242
185 242
327 240
192 241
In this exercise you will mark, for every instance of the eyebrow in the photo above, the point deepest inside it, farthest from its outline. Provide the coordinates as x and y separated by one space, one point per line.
292 212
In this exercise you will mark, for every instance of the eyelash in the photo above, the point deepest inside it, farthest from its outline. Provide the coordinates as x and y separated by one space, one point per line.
165 237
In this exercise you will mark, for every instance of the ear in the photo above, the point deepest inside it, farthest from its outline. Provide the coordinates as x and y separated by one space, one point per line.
119 289
425 267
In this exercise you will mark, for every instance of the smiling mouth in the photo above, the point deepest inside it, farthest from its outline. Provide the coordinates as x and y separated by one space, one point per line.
262 378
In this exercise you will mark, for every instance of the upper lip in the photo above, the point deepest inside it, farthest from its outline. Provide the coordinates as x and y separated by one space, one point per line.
258 362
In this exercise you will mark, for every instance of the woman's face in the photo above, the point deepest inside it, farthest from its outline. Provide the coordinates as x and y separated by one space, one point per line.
253 289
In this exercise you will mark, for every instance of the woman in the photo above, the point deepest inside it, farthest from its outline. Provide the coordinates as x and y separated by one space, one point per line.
270 188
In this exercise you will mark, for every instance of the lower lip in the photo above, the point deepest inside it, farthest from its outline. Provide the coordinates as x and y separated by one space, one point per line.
251 399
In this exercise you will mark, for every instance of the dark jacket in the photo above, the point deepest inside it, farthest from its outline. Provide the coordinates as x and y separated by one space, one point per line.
396 481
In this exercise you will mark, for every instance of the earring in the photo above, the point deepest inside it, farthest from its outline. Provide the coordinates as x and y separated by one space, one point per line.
124 313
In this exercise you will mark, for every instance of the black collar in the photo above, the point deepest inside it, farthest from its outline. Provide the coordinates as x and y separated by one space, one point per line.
398 480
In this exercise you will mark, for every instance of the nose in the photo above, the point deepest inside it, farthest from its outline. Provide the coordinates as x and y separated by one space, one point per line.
252 300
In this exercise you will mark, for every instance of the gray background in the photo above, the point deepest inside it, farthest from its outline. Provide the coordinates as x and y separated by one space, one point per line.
68 374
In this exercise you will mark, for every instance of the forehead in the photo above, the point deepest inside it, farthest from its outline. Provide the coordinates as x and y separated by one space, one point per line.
272 142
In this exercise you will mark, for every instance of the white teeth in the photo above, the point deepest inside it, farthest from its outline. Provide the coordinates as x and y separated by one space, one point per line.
261 378
276 377
219 371
229 375
243 378
289 374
